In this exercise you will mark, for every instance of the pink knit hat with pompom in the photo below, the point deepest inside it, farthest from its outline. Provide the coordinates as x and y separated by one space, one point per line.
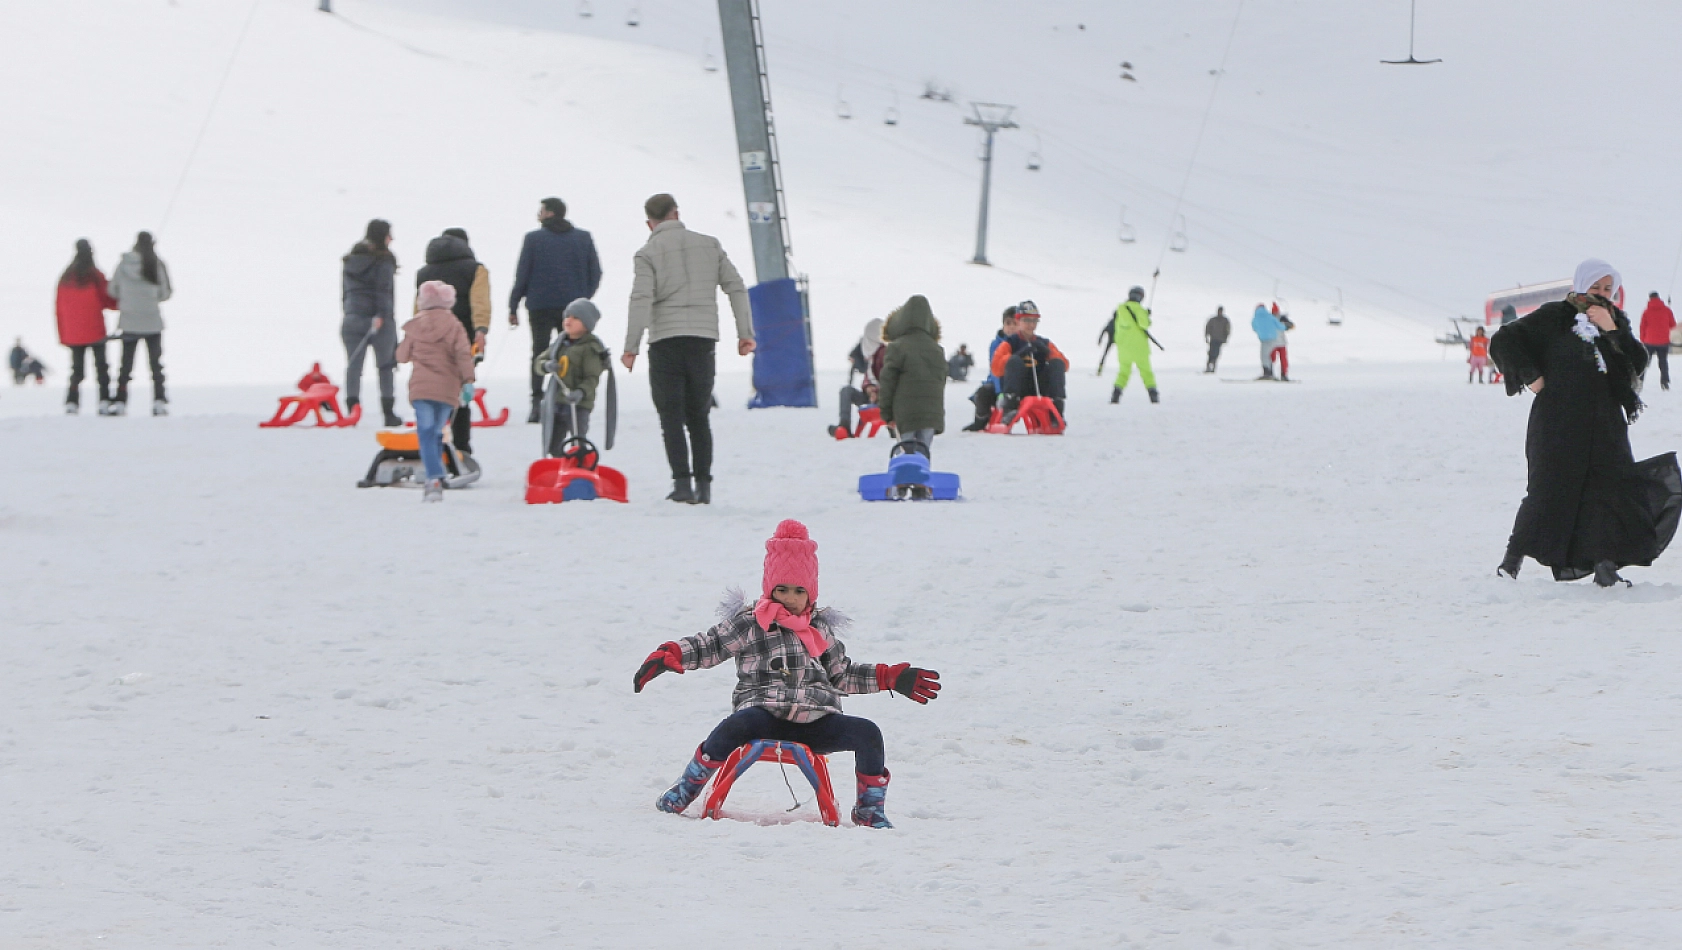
791 558
436 295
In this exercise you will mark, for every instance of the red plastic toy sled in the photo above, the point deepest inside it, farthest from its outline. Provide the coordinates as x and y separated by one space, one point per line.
814 767
1038 415
868 416
574 475
316 393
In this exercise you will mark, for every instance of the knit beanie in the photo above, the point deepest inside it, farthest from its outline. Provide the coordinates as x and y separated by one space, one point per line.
791 558
584 311
436 295
1592 270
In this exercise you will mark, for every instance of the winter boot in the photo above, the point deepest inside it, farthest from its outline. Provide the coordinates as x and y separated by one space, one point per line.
1115 395
392 420
1606 575
105 407
873 794
351 402
1509 568
694 778
703 493
434 490
536 412
160 407
119 408
71 408
1155 396
683 491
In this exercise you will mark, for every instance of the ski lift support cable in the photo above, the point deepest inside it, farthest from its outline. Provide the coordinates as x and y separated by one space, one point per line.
1197 146
193 153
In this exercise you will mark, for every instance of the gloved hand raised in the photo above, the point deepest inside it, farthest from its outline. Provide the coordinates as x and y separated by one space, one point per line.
668 657
919 686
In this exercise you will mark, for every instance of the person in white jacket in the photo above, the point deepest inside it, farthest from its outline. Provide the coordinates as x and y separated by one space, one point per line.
674 298
139 284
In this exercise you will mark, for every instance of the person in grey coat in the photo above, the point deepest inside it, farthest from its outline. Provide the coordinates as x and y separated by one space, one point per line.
367 282
139 284
1215 333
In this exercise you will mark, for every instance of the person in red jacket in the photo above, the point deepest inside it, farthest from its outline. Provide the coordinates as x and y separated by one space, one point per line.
1656 323
1479 360
82 302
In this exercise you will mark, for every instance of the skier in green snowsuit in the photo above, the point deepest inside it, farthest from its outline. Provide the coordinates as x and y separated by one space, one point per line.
1127 330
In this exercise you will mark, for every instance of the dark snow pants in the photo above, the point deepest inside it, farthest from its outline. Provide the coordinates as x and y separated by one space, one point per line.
850 396
1215 353
1662 354
985 398
832 733
545 324
680 375
354 333
78 372
154 356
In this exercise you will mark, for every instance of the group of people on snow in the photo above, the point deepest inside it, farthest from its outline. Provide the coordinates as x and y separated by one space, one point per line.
676 278
135 289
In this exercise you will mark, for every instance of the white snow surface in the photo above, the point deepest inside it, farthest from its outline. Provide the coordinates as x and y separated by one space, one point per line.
1542 139
1233 670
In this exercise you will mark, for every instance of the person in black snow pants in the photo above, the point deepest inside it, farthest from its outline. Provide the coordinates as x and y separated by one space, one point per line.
449 258
367 283
1215 333
558 264
139 284
1589 507
791 673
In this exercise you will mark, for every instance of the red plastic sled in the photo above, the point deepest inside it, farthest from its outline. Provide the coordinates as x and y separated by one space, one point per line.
814 767
868 416
485 417
574 475
1038 415
316 393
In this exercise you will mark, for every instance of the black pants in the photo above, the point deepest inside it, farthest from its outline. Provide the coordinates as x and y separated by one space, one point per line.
1662 354
1215 353
154 355
544 325
832 733
850 396
680 374
78 372
985 399
561 431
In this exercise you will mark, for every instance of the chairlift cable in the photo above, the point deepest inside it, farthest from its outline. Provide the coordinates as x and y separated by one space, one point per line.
1197 146
210 113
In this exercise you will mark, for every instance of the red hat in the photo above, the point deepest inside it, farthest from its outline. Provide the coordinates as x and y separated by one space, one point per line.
791 558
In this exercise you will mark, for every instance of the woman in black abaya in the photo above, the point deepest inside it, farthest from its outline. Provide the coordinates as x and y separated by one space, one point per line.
1590 508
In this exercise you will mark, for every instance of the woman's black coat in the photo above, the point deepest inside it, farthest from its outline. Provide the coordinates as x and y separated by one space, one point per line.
1587 499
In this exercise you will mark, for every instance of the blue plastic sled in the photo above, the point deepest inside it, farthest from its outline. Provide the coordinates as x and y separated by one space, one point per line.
908 467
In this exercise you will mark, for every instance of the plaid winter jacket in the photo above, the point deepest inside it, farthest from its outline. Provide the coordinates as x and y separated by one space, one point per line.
773 669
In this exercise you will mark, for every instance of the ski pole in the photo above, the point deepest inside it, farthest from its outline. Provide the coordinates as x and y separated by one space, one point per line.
1153 340
1107 345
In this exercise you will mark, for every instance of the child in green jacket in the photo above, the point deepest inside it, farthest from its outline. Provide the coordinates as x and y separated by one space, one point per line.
583 359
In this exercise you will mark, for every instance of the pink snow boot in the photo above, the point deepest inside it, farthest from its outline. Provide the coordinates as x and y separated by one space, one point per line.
873 793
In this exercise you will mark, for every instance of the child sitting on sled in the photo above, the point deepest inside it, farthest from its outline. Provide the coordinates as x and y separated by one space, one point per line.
791 673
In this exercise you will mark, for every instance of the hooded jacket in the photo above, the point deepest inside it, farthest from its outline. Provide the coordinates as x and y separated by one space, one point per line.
913 387
138 298
1266 325
81 310
558 264
366 283
1656 323
451 260
436 343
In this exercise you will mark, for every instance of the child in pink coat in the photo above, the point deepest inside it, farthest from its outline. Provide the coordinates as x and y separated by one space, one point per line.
435 342
791 673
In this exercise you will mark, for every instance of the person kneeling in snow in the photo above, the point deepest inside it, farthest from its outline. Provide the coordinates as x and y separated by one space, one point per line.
791 673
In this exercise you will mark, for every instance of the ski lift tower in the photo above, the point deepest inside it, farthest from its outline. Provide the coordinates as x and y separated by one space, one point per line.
783 373
990 116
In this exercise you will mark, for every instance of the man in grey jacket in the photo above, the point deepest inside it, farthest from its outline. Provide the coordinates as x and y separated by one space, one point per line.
674 297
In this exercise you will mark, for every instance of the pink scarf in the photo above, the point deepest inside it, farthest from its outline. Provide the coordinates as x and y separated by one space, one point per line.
769 612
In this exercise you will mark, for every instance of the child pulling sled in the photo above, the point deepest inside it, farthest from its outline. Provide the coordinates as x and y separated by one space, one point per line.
791 673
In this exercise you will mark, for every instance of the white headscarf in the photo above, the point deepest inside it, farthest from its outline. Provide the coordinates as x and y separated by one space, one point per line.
1592 270
871 341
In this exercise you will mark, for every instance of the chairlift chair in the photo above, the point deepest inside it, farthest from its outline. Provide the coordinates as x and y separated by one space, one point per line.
842 109
892 116
585 10
1179 241
1413 10
1335 316
1126 233
634 17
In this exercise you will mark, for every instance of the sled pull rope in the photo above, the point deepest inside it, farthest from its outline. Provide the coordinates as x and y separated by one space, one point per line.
783 768
210 113
1197 146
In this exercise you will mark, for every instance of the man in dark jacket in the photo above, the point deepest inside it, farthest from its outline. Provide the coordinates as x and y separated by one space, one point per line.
1215 333
449 258
558 265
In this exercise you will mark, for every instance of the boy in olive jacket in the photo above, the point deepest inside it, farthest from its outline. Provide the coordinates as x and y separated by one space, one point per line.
586 360
913 384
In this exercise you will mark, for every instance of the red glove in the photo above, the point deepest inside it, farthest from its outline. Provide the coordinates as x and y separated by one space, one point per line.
903 678
668 657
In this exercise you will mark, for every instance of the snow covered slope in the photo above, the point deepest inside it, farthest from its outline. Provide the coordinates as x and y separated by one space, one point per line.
1232 671
1415 191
